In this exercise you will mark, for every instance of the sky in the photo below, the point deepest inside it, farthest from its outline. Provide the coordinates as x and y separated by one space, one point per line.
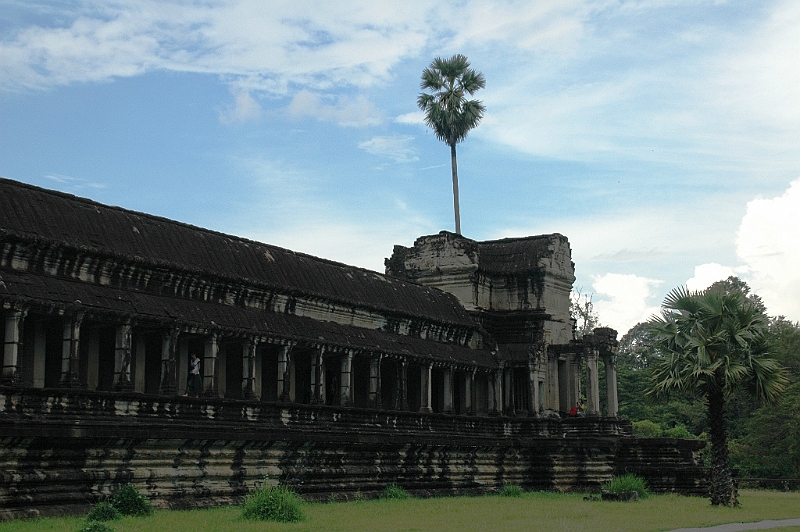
662 137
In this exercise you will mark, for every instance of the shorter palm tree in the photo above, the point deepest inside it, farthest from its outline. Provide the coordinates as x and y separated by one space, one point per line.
712 343
448 111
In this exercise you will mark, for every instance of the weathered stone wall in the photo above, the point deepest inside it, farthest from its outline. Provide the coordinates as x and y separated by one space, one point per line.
60 451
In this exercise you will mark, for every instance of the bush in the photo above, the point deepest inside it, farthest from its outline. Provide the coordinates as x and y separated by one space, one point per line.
511 490
94 526
679 431
103 511
129 501
274 503
628 482
393 491
647 429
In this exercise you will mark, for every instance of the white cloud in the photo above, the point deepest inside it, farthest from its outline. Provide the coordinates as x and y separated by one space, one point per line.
415 118
244 109
768 242
707 274
398 148
345 111
624 300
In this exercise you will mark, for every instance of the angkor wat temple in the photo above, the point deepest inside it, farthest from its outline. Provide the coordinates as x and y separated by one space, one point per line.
452 373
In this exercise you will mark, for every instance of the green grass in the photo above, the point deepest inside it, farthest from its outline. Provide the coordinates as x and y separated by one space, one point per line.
532 511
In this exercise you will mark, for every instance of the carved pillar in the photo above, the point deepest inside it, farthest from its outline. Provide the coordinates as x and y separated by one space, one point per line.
592 384
508 391
611 385
122 358
210 361
284 374
346 382
425 387
402 384
533 387
469 392
70 352
318 377
169 377
553 392
375 381
447 400
249 368
497 391
12 348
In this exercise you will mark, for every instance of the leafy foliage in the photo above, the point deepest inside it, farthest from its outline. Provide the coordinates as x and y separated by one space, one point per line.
103 511
628 482
274 503
713 344
511 490
129 501
394 491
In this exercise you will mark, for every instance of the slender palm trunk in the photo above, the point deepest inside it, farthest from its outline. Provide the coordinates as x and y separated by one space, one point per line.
455 187
722 489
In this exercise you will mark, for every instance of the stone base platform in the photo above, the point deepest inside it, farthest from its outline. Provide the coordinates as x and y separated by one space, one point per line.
63 450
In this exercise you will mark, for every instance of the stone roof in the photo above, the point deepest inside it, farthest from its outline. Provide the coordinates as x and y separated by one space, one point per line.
49 218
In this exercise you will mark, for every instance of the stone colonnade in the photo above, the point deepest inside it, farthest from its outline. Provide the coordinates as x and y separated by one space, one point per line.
154 359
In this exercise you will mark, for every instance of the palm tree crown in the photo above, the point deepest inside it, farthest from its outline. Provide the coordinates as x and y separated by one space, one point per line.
447 110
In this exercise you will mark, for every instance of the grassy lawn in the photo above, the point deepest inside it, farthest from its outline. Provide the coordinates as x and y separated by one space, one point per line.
533 511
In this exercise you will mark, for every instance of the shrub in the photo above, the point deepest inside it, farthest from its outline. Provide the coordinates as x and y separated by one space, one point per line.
647 429
511 490
274 503
393 491
103 511
129 501
628 482
95 526
679 431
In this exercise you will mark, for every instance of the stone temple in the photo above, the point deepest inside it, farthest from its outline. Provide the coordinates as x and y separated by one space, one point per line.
451 373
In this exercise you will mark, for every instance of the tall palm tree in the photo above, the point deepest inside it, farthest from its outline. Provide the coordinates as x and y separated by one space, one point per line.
447 110
712 343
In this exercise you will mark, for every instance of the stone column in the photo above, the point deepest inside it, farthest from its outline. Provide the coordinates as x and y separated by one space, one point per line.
497 392
552 400
447 400
318 377
469 393
70 352
611 386
402 384
284 373
345 380
12 348
169 377
592 384
375 381
425 388
122 358
210 361
249 368
508 391
533 386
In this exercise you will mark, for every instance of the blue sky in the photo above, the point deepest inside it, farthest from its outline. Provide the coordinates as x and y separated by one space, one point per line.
661 137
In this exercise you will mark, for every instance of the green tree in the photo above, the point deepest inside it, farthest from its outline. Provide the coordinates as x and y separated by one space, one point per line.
448 111
713 343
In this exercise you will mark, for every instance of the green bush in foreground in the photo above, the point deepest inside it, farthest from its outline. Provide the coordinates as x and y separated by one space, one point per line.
94 526
628 482
274 503
129 501
393 491
103 511
511 490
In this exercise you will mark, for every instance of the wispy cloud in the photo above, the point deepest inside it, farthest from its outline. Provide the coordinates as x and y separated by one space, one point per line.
342 110
398 148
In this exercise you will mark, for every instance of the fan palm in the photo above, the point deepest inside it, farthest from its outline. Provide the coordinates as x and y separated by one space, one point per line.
447 110
713 343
